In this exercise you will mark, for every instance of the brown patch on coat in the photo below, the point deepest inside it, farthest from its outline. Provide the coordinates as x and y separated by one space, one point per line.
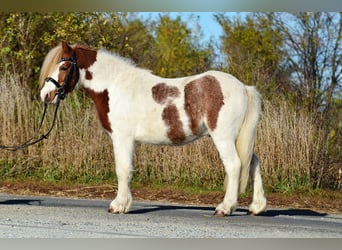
161 93
164 94
85 55
101 101
203 97
88 75
171 117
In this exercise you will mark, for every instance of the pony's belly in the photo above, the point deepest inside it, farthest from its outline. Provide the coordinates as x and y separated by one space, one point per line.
164 138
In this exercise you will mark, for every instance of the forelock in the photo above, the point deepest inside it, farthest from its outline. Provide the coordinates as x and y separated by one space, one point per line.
50 62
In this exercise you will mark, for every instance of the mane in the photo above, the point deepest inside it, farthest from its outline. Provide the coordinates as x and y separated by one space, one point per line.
123 64
49 64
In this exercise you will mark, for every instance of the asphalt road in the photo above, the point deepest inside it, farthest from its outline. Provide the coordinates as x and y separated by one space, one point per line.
49 217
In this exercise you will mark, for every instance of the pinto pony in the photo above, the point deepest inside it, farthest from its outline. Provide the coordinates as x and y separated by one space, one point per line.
135 106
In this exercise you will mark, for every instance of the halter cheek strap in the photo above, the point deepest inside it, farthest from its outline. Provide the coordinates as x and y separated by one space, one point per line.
63 89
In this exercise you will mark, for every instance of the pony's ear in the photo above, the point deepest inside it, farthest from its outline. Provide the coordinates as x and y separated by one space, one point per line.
66 48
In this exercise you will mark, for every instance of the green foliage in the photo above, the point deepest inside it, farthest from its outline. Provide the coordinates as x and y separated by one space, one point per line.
176 50
253 49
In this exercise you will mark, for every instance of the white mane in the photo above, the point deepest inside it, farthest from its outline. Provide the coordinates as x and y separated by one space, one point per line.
120 62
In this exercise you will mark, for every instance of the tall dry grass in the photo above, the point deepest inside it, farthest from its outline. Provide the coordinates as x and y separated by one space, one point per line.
291 147
289 144
75 148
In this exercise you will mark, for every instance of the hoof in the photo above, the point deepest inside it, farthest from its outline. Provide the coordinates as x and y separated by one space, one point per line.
251 213
116 211
219 213
112 211
120 206
258 207
225 210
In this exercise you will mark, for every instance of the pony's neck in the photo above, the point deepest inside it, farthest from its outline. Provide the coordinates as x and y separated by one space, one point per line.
120 67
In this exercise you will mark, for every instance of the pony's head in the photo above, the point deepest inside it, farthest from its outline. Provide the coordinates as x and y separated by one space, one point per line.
59 73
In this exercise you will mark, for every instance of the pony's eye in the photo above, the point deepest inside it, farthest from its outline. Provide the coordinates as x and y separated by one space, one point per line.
63 68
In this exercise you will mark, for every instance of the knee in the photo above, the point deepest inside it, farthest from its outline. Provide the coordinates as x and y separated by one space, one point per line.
124 173
232 165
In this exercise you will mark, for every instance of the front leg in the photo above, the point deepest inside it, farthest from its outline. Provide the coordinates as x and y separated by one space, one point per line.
123 151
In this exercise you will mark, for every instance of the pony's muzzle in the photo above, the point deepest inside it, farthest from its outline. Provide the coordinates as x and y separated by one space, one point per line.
50 97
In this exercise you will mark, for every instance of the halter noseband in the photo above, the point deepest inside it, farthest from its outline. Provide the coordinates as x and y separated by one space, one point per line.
63 89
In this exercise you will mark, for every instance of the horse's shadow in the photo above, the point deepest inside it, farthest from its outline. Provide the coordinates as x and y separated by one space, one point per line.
292 212
156 208
239 211
27 202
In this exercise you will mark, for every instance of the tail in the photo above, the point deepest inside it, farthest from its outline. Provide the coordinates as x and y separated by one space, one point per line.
247 135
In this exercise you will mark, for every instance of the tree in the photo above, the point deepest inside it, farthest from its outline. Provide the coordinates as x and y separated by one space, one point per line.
20 44
138 40
253 49
314 53
176 53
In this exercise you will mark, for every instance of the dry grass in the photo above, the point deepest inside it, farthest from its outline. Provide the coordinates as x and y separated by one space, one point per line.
76 147
289 145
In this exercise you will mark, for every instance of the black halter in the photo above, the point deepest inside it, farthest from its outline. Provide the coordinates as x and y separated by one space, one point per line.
63 89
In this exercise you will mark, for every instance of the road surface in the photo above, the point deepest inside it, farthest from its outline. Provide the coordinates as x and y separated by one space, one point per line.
50 217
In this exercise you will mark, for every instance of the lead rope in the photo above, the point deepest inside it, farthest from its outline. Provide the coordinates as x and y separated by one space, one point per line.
61 94
31 141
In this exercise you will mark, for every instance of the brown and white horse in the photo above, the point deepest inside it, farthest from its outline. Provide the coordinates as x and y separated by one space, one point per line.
135 106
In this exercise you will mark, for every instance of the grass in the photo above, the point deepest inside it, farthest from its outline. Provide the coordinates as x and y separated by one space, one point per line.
291 148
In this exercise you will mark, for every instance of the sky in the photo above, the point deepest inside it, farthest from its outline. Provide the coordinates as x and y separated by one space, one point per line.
208 24
209 27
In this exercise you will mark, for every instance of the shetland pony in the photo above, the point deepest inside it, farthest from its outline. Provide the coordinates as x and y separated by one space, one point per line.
135 106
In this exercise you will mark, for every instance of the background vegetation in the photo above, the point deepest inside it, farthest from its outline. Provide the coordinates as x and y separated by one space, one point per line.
295 60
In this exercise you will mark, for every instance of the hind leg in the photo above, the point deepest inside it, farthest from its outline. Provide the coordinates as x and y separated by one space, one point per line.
232 166
259 202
